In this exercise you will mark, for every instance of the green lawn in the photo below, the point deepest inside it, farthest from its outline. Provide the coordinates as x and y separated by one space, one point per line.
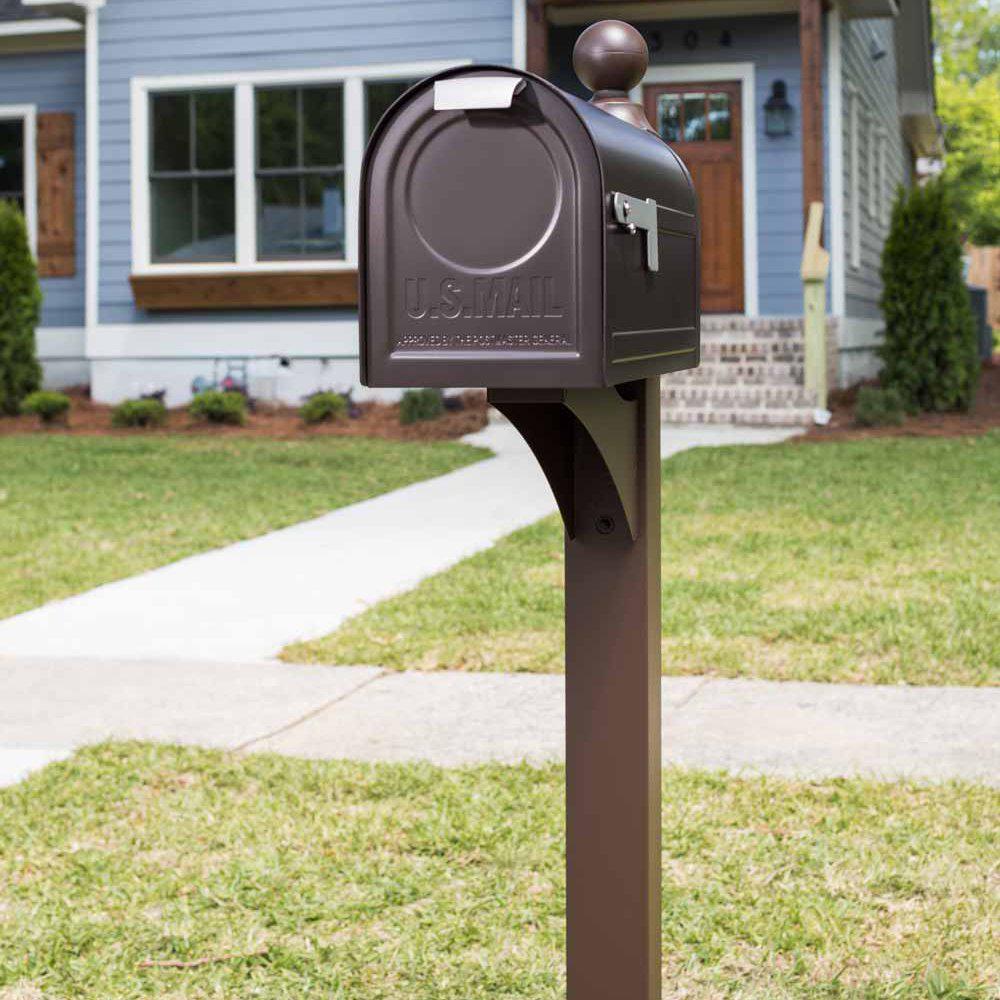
874 561
359 882
76 512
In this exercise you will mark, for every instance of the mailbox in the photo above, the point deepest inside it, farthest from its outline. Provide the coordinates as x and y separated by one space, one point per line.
513 235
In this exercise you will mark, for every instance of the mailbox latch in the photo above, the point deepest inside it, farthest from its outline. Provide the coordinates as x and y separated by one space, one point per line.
640 213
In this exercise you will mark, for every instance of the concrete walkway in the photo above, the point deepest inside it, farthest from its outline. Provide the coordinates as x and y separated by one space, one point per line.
247 601
50 706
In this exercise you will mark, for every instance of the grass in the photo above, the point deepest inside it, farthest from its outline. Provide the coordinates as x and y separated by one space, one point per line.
76 512
871 561
296 879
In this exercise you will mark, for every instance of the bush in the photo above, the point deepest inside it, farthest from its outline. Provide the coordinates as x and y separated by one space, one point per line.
49 407
879 407
929 353
323 407
420 404
139 413
219 407
20 304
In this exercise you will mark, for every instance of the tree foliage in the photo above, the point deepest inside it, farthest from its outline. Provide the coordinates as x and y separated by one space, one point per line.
20 304
929 353
967 53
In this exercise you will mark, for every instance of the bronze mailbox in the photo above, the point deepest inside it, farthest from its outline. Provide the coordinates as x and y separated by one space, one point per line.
514 236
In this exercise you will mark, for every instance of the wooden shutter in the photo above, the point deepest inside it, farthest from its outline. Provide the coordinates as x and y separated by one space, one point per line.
56 196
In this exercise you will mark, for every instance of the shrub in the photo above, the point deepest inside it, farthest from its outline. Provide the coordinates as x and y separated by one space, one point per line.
20 303
139 413
420 404
929 354
49 407
879 407
323 407
219 407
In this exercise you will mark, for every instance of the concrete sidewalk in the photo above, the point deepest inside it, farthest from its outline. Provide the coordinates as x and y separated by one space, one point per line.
247 601
50 706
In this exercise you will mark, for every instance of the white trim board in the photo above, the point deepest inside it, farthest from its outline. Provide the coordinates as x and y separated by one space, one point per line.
519 36
336 338
835 127
243 83
744 74
39 26
28 115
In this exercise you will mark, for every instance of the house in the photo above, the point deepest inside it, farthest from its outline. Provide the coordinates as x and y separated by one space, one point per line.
189 172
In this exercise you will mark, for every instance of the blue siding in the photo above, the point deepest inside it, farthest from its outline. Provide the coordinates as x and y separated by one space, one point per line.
145 38
876 87
772 44
54 81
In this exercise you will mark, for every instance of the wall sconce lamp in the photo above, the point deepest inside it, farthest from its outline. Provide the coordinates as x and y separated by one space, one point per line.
777 111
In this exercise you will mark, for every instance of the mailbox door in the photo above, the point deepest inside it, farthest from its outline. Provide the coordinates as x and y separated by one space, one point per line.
482 243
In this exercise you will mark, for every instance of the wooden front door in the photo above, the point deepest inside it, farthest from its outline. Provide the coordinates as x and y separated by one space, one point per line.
702 122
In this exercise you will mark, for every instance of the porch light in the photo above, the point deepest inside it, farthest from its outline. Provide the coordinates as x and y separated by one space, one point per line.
777 111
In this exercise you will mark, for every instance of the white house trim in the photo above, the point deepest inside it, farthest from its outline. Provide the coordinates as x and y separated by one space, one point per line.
835 116
28 115
92 280
336 339
243 83
854 188
39 26
744 74
519 55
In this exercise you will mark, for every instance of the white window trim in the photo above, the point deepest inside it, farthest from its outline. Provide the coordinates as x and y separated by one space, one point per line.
884 191
873 166
744 74
352 77
28 115
854 187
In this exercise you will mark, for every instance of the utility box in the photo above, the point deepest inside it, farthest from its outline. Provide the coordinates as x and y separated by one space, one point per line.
514 236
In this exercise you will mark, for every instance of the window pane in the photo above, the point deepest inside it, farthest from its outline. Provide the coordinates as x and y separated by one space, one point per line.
324 216
277 128
379 96
171 122
215 219
694 117
214 130
280 217
720 116
12 160
669 114
323 126
173 219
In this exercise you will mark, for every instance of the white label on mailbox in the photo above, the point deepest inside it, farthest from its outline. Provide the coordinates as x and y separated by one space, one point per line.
469 93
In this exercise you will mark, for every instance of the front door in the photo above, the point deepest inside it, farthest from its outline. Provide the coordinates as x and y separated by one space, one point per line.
702 122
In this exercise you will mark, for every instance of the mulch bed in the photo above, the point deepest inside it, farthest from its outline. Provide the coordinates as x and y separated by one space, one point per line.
379 420
983 417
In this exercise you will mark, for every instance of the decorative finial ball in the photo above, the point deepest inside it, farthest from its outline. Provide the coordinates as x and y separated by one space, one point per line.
610 55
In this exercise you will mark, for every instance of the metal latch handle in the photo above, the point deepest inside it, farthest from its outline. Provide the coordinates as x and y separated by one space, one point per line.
640 213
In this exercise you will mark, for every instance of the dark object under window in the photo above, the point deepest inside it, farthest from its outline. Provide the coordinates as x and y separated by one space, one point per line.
192 180
12 161
300 172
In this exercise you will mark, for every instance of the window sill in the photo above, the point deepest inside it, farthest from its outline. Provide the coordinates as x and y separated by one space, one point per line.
245 290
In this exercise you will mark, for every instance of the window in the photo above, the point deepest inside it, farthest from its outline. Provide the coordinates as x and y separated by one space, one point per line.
694 116
380 95
192 177
255 171
12 186
18 173
300 172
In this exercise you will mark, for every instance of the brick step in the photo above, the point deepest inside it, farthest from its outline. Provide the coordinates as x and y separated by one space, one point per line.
765 397
795 417
788 374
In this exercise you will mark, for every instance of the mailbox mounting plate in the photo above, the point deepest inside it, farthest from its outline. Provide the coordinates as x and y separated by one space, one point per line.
640 213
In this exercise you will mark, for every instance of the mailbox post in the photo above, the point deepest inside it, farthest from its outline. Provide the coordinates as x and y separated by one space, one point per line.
515 237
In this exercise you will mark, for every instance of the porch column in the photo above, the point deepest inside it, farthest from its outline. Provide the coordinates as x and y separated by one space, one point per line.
537 30
811 54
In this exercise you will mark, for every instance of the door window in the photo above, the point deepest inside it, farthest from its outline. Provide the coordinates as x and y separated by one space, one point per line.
696 116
